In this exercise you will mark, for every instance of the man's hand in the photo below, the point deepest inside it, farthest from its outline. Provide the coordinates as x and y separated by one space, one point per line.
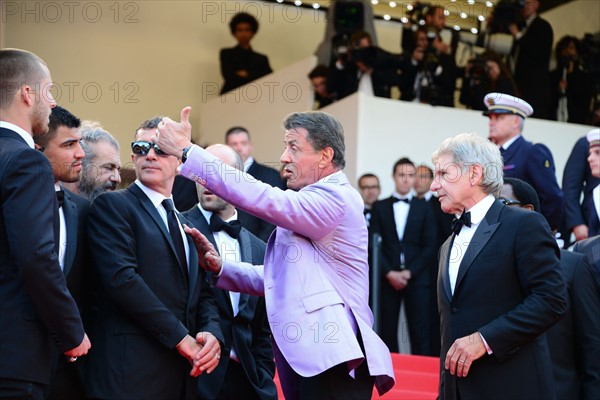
398 279
80 350
581 232
463 352
172 137
189 348
207 359
208 258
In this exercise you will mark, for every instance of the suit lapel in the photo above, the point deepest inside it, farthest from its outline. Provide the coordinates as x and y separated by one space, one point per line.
484 232
70 213
445 262
151 210
393 230
246 256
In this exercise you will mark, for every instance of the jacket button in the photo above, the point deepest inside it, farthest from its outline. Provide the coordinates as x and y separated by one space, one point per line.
454 310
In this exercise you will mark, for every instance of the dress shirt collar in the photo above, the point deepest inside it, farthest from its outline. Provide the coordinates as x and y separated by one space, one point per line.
155 197
479 210
506 145
427 196
22 132
249 161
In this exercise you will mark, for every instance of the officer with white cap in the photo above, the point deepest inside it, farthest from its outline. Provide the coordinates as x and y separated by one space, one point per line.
524 160
593 138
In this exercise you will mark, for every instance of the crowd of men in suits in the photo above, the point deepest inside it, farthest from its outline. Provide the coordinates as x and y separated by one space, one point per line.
161 327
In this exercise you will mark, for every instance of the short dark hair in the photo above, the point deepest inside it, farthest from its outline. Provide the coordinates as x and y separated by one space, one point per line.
319 71
17 68
402 161
524 192
151 123
236 130
58 117
324 130
243 18
367 175
429 170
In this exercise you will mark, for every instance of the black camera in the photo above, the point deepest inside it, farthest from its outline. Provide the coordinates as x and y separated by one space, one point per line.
505 13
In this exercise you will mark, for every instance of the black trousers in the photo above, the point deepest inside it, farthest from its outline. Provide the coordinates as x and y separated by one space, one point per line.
236 384
14 389
337 384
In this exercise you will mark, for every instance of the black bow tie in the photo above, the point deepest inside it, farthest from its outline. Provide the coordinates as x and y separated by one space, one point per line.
464 219
407 201
232 228
60 197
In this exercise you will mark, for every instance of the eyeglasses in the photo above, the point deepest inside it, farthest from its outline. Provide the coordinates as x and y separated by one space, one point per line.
141 148
509 202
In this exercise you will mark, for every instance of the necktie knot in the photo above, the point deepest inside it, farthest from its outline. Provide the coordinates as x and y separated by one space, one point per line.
464 219
232 228
168 205
60 197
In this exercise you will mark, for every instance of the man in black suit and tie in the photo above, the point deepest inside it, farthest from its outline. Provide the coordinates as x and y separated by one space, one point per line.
248 371
575 340
238 138
61 145
408 233
153 299
38 315
499 286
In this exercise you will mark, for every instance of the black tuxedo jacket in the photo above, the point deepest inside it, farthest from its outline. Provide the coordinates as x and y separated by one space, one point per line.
575 340
146 304
235 59
509 288
257 226
418 243
67 383
248 330
37 313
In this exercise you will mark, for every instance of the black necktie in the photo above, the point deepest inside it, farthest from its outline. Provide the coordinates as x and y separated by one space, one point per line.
502 150
60 197
457 223
232 228
173 224
407 201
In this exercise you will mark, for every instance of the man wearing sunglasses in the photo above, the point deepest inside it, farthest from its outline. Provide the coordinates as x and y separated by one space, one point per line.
156 315
574 341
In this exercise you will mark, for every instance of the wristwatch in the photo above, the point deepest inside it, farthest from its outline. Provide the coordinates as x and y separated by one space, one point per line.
184 154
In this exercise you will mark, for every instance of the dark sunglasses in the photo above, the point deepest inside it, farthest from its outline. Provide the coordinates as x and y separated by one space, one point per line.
141 148
509 202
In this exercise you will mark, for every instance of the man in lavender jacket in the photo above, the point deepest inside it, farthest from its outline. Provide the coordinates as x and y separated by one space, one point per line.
315 277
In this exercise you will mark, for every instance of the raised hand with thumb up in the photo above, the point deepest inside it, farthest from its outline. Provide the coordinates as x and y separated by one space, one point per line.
172 137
